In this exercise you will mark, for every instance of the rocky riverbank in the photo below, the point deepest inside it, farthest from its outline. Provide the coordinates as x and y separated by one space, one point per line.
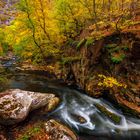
108 67
15 106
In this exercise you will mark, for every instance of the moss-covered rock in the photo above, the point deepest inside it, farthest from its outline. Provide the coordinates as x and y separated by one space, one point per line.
112 116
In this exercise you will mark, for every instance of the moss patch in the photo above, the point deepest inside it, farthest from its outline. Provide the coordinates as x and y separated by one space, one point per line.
30 133
113 117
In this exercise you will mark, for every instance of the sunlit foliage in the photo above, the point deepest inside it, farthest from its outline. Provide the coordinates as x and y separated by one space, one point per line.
109 82
42 27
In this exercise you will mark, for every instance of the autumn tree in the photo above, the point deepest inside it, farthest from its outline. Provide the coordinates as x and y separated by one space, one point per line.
42 27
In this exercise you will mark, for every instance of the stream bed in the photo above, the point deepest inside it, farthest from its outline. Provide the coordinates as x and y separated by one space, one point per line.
79 111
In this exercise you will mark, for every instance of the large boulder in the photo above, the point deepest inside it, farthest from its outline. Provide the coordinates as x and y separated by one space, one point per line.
15 104
43 130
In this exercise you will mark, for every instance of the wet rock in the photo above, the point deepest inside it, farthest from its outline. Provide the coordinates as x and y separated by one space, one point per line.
52 103
79 118
112 116
15 104
58 131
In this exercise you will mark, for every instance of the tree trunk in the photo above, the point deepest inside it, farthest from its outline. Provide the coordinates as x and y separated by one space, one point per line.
95 15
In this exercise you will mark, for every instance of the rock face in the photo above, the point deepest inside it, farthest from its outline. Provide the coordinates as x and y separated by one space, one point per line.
15 104
116 55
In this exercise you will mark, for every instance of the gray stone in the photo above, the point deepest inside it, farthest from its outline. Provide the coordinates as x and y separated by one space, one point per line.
15 104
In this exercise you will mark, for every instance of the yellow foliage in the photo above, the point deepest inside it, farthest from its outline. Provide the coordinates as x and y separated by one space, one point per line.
46 25
109 82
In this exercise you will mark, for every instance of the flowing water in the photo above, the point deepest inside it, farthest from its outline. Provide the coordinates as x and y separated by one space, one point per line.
75 104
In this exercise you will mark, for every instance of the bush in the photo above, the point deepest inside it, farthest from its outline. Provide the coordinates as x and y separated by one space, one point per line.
109 82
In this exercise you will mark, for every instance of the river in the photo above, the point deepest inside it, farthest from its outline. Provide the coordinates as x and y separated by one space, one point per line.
76 104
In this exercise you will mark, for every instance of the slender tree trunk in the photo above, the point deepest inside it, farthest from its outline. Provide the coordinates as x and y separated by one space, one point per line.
95 15
44 20
33 30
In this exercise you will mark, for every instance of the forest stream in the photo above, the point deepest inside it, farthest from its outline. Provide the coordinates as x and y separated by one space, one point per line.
69 70
76 104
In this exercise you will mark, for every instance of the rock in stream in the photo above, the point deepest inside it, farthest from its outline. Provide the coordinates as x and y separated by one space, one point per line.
15 104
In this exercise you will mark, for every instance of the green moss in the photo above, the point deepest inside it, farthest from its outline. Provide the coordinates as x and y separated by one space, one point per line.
31 132
113 117
81 42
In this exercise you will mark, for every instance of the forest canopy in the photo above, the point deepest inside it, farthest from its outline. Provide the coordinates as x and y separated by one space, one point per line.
42 27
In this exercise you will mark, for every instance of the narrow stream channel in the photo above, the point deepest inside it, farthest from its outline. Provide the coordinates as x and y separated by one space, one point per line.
95 125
